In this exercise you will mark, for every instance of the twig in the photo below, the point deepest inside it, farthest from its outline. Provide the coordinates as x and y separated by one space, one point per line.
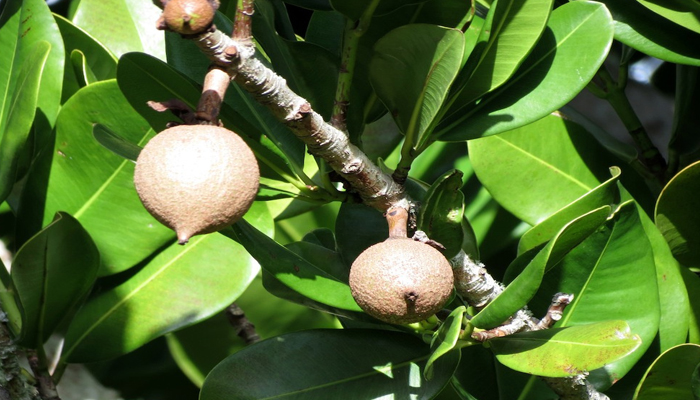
574 388
45 383
244 328
215 84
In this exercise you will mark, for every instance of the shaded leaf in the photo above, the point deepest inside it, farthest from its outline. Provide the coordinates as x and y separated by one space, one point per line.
198 348
442 213
577 38
683 138
52 274
679 227
355 9
115 143
670 377
294 271
365 363
357 228
683 13
18 114
412 69
561 352
524 286
178 287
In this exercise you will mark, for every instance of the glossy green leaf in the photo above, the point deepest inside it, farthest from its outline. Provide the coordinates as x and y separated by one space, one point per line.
683 12
577 38
122 25
561 352
84 76
24 24
519 292
610 270
293 270
679 227
18 114
178 287
198 348
515 29
670 376
361 363
328 260
442 213
98 59
95 185
52 274
445 339
475 377
412 69
692 285
673 294
604 194
115 143
540 168
643 30
143 78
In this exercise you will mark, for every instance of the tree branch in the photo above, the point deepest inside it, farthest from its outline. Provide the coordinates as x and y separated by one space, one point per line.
244 328
13 384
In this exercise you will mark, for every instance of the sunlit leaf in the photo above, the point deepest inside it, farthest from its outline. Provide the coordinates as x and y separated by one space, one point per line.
445 338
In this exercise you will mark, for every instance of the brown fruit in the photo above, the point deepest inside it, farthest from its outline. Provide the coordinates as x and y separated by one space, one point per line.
401 281
188 17
196 179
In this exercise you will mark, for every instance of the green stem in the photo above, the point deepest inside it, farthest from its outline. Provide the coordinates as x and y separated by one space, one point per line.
649 154
351 42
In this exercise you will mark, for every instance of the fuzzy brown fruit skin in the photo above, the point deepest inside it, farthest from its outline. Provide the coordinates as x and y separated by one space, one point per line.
196 179
401 281
189 17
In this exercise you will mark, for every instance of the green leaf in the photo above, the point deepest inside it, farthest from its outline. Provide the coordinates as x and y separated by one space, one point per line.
577 38
357 363
604 194
643 30
96 186
412 69
52 274
326 259
122 25
115 143
673 294
445 339
540 168
294 271
519 292
610 270
561 352
475 377
98 59
19 111
198 348
143 78
515 29
442 213
672 216
669 377
24 25
683 12
178 287
692 285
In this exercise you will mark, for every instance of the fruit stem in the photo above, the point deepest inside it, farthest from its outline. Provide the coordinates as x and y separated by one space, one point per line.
397 218
216 82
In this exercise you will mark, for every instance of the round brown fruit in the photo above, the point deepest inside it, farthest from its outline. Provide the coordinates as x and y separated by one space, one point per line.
196 179
401 281
189 17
